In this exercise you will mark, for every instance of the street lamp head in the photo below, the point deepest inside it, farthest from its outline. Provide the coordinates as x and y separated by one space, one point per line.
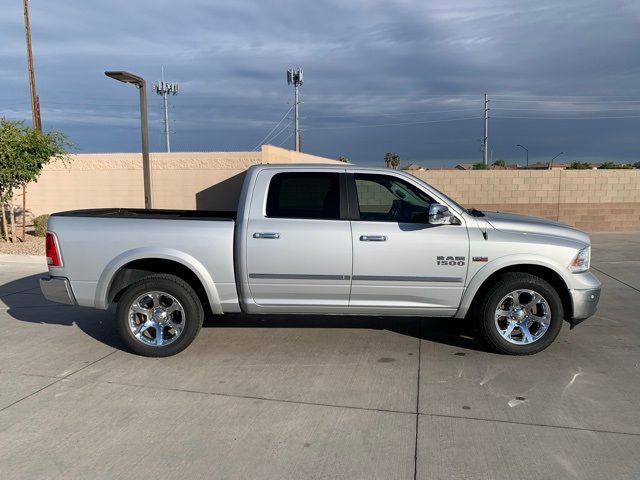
126 77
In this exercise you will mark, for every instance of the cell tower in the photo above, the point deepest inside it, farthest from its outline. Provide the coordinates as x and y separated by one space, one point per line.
165 89
295 78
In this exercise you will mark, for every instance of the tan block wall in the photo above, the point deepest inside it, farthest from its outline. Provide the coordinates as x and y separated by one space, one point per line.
206 180
594 200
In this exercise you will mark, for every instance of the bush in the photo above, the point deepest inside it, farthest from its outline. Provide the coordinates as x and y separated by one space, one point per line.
613 165
580 166
480 166
40 225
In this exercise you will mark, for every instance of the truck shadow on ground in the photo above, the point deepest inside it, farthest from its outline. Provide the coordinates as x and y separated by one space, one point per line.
28 305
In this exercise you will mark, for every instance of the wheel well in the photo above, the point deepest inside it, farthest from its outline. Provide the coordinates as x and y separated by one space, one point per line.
545 273
138 269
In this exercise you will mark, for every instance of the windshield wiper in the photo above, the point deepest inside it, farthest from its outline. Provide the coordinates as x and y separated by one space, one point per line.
474 212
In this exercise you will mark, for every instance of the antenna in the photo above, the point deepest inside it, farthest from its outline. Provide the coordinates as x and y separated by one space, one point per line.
164 89
295 77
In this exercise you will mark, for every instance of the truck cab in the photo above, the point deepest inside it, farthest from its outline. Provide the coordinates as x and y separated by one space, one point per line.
325 240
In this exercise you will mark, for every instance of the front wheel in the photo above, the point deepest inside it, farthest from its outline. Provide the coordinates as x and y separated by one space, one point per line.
520 315
159 315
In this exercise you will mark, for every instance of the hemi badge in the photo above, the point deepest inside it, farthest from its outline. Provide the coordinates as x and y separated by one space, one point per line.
480 259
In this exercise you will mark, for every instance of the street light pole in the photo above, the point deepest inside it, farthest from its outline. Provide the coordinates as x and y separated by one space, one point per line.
139 82
526 150
551 164
144 126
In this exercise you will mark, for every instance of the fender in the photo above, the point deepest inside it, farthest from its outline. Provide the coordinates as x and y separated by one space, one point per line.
500 263
106 278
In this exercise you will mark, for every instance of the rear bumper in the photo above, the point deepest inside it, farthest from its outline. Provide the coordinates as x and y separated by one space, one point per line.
57 289
585 304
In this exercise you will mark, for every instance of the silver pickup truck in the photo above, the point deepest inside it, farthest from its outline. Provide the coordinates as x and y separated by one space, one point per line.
326 239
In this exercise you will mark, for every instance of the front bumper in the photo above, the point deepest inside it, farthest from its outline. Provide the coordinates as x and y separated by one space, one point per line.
585 304
57 289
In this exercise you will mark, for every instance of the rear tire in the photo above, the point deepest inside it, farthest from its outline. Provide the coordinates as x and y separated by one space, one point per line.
520 315
159 315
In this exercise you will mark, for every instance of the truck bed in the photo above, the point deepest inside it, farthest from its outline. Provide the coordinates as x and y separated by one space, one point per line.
96 243
163 214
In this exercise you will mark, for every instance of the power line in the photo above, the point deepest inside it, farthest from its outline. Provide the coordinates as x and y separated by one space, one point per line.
282 130
572 102
261 142
568 110
564 96
394 124
82 104
394 114
285 139
569 118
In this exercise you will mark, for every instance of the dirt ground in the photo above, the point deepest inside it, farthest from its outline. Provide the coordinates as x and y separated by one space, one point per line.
31 246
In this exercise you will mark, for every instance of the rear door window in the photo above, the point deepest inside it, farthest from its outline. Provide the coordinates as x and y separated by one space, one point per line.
313 195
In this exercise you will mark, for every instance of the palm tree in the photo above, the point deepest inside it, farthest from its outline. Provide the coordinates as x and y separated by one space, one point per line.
392 160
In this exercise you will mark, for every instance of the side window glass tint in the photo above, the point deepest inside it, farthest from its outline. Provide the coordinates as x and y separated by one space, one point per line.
304 195
385 198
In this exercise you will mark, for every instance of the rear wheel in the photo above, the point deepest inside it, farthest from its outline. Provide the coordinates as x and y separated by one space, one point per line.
520 315
160 315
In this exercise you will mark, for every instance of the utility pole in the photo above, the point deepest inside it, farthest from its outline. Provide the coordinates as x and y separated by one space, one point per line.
485 141
35 101
35 106
295 78
165 89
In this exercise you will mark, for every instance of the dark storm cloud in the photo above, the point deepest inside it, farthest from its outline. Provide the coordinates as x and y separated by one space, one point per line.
404 76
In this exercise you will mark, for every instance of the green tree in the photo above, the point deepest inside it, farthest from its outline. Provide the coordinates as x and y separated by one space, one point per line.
23 153
579 166
343 159
392 160
613 165
499 163
636 165
479 166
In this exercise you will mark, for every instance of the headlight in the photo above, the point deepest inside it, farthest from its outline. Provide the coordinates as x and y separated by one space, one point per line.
581 261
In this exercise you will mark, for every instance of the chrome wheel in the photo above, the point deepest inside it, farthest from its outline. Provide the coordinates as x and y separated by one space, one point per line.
523 317
156 318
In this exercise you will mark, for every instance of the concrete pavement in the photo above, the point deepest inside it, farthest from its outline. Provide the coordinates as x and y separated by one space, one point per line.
319 397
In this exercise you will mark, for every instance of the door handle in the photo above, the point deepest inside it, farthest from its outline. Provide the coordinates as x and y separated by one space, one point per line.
373 238
266 235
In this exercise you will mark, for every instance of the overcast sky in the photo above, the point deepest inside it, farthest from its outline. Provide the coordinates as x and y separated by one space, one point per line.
380 76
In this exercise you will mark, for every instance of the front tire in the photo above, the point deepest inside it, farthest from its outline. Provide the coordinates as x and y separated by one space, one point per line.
159 315
520 315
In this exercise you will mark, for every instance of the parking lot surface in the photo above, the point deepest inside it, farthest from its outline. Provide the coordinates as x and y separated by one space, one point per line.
297 397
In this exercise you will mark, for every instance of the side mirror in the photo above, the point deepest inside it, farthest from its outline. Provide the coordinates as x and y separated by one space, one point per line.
439 214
